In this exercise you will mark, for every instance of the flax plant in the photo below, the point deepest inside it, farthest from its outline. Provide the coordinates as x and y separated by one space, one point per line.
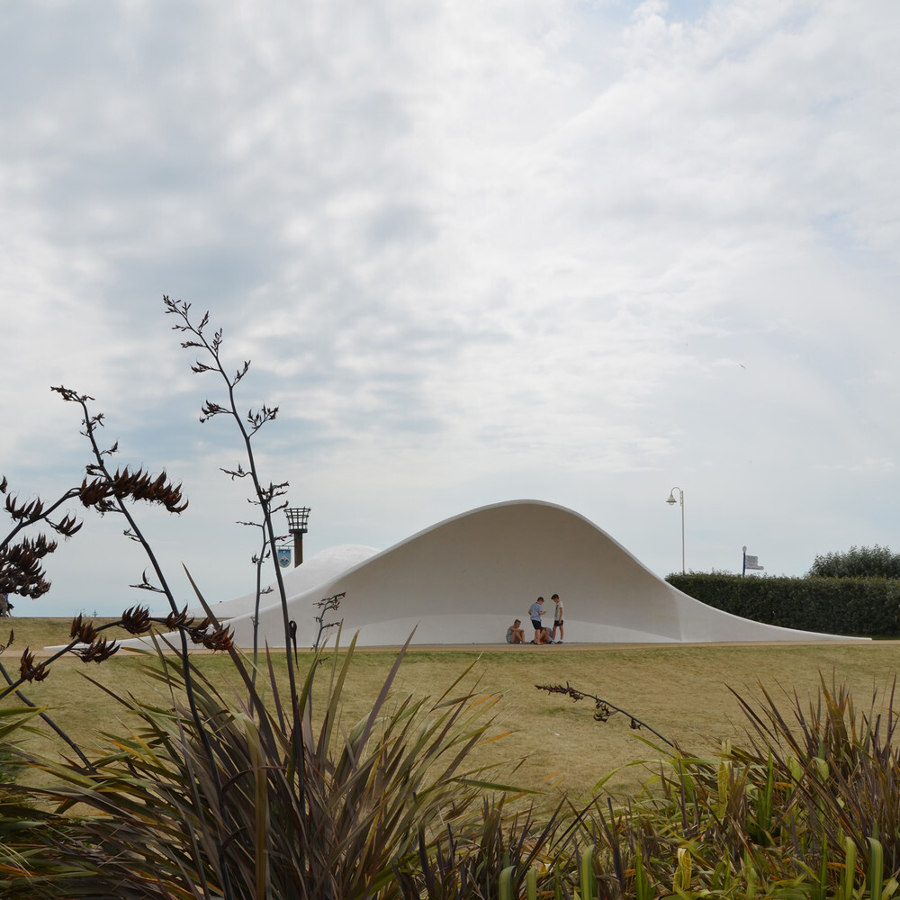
239 796
499 850
839 768
266 496
807 808
371 790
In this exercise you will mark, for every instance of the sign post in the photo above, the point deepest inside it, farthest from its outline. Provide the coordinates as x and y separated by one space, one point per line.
751 563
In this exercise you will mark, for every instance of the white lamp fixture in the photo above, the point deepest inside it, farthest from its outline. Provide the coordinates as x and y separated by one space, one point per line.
672 501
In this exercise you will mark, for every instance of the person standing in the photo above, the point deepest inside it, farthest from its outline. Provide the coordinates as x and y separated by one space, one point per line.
557 619
535 611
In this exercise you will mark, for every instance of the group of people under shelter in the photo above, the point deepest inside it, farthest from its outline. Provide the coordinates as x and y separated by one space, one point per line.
515 634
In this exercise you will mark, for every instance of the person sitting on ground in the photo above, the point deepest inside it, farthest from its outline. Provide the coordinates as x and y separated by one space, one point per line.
515 634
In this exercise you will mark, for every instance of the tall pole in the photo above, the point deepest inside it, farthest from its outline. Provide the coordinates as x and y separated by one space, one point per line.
671 501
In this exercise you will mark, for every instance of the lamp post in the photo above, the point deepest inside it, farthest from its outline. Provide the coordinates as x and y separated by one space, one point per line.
671 501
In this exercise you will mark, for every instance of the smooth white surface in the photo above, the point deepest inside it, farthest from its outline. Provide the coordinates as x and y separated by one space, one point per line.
464 580
321 568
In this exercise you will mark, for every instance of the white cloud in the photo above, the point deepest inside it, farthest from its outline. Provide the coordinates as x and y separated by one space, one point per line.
578 251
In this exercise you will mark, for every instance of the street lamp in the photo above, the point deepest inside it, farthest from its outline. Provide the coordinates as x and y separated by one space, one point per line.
671 501
298 517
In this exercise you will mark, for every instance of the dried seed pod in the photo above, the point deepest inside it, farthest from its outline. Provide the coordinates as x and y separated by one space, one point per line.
136 620
99 651
28 671
83 631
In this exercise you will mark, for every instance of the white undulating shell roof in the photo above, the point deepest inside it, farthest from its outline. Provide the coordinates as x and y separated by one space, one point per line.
464 580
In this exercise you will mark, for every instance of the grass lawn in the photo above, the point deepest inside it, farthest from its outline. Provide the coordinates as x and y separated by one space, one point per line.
682 691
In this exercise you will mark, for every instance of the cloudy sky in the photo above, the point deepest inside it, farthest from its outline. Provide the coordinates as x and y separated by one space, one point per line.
581 251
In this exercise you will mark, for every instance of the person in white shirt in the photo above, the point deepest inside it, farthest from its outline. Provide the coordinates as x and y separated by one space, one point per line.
557 619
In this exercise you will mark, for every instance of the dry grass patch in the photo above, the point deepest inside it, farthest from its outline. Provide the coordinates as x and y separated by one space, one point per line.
681 691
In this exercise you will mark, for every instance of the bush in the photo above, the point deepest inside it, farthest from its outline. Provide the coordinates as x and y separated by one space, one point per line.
858 562
862 607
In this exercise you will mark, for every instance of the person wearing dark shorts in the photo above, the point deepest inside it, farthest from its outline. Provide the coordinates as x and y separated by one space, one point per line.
557 619
535 611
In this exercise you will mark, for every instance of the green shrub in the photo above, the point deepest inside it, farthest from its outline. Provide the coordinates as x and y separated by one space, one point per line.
865 607
857 562
221 805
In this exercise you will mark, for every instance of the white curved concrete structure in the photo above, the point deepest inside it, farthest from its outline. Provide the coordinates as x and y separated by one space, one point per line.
318 569
464 580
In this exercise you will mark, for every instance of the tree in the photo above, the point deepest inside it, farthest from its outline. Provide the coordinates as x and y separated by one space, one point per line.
858 562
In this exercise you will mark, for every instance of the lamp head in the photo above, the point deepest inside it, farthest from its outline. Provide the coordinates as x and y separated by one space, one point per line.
671 501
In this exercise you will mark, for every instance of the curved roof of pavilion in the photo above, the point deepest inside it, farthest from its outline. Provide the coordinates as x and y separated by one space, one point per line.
464 580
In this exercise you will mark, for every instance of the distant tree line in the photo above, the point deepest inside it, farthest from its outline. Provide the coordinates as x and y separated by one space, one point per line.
858 562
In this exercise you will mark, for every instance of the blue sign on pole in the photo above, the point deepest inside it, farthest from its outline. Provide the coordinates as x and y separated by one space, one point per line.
284 557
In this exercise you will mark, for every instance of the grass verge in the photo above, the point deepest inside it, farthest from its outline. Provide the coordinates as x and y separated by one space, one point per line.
681 691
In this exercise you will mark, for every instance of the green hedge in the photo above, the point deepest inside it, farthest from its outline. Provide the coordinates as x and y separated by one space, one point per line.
867 607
